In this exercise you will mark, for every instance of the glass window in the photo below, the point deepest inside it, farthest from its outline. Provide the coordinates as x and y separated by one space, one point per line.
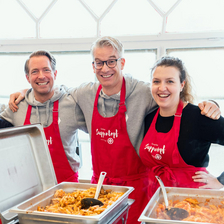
131 18
205 68
98 6
164 5
196 16
70 19
12 72
3 100
67 19
37 7
74 68
139 62
15 22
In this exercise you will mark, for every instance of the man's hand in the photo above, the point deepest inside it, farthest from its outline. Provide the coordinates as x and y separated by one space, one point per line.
209 180
15 98
210 109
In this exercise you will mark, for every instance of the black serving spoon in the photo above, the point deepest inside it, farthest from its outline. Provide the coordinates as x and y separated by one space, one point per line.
87 202
173 213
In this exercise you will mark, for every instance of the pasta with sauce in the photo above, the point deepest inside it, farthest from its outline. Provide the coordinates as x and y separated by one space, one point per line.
198 212
70 203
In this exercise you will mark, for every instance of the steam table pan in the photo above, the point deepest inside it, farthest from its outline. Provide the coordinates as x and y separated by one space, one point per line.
148 216
28 215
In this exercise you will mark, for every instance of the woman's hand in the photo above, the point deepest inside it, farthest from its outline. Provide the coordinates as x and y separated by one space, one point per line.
207 178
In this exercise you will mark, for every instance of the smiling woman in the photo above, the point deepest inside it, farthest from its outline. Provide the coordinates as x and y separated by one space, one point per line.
177 136
166 87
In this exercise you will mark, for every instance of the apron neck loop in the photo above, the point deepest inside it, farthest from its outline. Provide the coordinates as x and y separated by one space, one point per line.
27 119
123 91
179 109
97 95
122 106
55 113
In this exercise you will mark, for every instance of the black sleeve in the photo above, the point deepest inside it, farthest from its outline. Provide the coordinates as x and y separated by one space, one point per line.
5 124
212 130
221 178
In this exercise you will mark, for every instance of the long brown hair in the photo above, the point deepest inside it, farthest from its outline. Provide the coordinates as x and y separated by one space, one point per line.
168 61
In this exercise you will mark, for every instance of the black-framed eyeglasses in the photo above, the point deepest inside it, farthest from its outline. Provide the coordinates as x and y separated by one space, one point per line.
111 63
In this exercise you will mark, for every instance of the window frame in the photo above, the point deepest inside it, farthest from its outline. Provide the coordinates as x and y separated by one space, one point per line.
161 42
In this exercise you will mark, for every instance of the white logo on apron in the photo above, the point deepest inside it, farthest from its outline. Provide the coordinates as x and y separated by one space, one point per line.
110 141
49 141
103 133
157 157
154 148
107 135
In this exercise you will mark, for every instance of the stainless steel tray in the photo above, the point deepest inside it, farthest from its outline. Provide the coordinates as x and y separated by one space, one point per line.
149 213
26 167
28 215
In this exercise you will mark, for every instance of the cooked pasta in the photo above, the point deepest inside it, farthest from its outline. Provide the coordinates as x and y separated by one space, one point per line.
198 212
70 203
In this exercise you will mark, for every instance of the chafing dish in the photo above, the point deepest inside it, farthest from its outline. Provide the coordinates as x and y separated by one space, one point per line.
28 215
26 167
173 193
28 180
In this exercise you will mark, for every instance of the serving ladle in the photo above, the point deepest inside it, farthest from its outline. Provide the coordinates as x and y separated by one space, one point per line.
173 213
87 202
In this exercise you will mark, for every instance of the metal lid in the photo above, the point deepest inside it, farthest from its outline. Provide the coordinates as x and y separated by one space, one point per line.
26 167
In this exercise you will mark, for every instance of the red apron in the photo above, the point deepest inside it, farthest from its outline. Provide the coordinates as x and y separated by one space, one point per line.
113 153
62 167
159 151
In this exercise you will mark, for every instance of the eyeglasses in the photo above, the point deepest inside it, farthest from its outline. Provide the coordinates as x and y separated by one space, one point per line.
110 63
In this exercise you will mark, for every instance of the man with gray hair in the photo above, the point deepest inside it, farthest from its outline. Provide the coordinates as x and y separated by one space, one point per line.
54 108
114 113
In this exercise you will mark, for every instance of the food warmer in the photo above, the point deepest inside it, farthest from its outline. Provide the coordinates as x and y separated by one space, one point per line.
28 180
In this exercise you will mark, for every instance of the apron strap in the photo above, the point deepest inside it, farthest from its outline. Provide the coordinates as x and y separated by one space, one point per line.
97 95
28 113
55 114
122 106
176 123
